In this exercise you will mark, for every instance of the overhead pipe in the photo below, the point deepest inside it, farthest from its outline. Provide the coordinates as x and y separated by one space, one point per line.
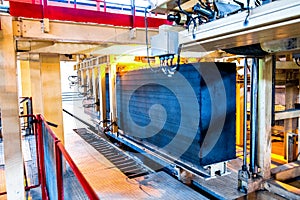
4 9
253 119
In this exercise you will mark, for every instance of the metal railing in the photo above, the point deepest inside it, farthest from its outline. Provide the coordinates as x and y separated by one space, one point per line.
99 5
60 177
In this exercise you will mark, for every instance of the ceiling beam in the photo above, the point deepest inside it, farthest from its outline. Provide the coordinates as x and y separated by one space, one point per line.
84 33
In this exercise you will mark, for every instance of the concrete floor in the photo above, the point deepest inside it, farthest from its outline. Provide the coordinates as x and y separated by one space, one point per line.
107 180
110 183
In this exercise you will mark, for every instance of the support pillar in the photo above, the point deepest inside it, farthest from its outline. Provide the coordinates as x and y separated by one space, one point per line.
51 92
239 115
90 80
9 105
25 78
102 94
83 78
26 85
265 116
112 95
36 85
291 92
95 86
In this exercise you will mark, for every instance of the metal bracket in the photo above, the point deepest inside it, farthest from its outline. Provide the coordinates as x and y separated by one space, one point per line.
217 169
17 28
45 25
132 33
243 181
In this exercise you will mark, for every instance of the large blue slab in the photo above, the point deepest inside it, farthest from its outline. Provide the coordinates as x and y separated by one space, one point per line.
190 116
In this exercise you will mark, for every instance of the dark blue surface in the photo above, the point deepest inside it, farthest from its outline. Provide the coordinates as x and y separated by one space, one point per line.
144 96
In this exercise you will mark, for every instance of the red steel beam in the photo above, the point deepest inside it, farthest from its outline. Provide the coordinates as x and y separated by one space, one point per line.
20 9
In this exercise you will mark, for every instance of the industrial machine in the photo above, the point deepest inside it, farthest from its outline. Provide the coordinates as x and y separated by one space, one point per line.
189 116
185 114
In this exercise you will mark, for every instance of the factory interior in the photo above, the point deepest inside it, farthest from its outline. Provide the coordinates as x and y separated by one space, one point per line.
149 99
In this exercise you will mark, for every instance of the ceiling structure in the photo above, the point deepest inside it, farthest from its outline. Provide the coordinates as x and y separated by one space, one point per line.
275 21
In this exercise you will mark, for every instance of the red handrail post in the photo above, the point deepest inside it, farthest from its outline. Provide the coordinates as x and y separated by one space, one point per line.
41 154
85 184
104 5
98 5
59 173
36 135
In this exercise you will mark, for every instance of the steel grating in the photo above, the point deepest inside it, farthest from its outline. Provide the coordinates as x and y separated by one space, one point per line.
130 167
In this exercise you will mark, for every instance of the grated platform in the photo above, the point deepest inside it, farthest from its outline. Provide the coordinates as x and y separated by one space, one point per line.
129 166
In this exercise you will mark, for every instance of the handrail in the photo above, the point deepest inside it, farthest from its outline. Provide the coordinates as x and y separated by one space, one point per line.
37 155
59 151
86 186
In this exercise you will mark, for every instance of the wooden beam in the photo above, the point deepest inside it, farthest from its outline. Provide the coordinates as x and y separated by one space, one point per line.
287 114
264 116
286 65
62 31
282 189
287 171
51 92
9 106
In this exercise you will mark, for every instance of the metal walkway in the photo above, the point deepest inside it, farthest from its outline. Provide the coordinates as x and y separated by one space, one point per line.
130 167
107 168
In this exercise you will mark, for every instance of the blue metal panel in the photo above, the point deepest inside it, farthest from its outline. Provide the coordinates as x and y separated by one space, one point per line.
166 106
50 164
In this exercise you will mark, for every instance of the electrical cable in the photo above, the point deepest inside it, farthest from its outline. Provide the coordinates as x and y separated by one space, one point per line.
190 17
297 61
147 43
257 3
248 11
202 3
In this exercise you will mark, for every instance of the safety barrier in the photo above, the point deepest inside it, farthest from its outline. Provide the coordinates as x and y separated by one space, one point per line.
27 183
60 177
